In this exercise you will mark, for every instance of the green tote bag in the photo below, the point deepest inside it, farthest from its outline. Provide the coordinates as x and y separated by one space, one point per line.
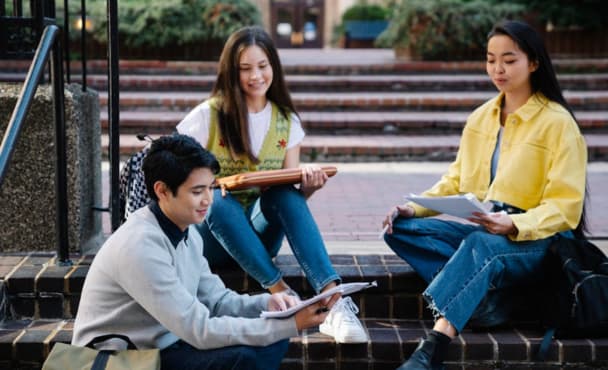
69 357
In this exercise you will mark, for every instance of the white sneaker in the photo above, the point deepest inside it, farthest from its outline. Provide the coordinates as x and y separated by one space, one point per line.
343 324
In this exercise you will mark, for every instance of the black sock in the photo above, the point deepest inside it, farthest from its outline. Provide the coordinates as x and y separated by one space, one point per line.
442 342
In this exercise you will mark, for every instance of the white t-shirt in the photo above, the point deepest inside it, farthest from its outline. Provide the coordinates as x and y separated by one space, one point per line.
196 124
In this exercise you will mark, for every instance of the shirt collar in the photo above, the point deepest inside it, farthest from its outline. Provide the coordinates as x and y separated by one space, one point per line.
173 232
535 103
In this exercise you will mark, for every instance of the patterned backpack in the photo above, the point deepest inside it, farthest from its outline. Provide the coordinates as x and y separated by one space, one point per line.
132 187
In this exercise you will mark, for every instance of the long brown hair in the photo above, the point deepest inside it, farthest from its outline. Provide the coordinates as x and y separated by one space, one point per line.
233 114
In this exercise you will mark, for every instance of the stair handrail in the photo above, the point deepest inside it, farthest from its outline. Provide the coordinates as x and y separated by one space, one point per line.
49 45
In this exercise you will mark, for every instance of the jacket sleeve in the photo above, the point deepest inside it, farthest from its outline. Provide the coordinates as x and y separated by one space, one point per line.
448 185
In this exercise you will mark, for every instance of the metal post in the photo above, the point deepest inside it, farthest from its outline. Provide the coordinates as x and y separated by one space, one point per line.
113 111
17 8
66 40
83 51
61 183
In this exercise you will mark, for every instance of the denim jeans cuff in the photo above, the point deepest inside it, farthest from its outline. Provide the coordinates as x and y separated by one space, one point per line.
272 281
333 278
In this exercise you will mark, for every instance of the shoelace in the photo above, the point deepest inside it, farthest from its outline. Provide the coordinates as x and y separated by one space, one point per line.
348 305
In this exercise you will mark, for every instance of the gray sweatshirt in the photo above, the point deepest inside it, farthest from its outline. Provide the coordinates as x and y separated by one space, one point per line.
141 286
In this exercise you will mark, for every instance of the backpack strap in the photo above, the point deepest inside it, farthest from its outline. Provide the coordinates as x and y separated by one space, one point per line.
101 360
541 355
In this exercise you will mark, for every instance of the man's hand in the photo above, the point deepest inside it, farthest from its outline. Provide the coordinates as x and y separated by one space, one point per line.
281 301
316 313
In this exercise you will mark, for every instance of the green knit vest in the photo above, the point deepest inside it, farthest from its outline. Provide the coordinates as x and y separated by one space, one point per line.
271 155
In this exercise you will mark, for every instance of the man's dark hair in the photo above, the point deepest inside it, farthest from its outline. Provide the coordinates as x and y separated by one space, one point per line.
172 158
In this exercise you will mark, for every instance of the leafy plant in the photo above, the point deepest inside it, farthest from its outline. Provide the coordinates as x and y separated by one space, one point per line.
359 12
584 14
444 29
161 23
365 12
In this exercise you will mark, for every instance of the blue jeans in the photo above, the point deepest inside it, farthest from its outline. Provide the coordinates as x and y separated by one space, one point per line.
182 356
463 262
253 237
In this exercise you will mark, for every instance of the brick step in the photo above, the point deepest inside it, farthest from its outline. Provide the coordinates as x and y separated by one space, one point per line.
24 344
317 123
36 288
341 148
333 83
353 101
26 340
349 65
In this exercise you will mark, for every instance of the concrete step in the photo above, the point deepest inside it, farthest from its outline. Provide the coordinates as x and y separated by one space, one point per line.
340 148
346 123
348 63
333 83
353 101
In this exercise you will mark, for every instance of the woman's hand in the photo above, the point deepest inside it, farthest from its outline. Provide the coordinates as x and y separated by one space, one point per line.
313 179
404 211
316 313
499 223
281 301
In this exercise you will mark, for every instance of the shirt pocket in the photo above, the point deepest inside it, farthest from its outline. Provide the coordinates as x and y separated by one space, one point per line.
476 151
524 168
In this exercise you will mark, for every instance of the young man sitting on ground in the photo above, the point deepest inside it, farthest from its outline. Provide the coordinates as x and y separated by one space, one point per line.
150 280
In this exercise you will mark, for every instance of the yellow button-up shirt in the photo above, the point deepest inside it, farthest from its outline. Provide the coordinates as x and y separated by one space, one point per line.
541 168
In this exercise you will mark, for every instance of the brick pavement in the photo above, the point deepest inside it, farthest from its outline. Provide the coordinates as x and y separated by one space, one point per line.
353 202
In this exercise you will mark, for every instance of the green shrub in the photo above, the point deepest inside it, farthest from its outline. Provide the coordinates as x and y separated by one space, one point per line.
364 12
359 12
444 29
584 14
161 23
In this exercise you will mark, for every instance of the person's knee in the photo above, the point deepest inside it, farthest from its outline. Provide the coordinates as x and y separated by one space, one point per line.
482 246
282 193
245 358
223 206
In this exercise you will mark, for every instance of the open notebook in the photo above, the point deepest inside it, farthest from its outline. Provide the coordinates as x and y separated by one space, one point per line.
344 289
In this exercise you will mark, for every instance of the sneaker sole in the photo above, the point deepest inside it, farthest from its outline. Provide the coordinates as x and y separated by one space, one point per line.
326 329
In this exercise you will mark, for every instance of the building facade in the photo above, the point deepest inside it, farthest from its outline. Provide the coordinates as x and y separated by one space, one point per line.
303 23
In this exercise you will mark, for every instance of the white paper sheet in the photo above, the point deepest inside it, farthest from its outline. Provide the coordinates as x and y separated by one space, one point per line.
455 205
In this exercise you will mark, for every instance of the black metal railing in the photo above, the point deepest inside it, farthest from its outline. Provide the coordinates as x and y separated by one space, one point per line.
20 30
49 45
113 112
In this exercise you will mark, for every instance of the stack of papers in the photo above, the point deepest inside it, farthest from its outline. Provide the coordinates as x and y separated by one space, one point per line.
455 205
344 289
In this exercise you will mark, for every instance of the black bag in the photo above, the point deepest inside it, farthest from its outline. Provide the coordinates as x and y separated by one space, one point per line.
576 295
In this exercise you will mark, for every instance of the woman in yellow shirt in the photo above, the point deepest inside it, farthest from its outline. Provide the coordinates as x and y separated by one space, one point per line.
524 152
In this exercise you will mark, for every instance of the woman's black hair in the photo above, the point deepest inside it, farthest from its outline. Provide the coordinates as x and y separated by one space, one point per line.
543 79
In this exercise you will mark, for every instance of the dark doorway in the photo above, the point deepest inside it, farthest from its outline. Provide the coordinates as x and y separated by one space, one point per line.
297 23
